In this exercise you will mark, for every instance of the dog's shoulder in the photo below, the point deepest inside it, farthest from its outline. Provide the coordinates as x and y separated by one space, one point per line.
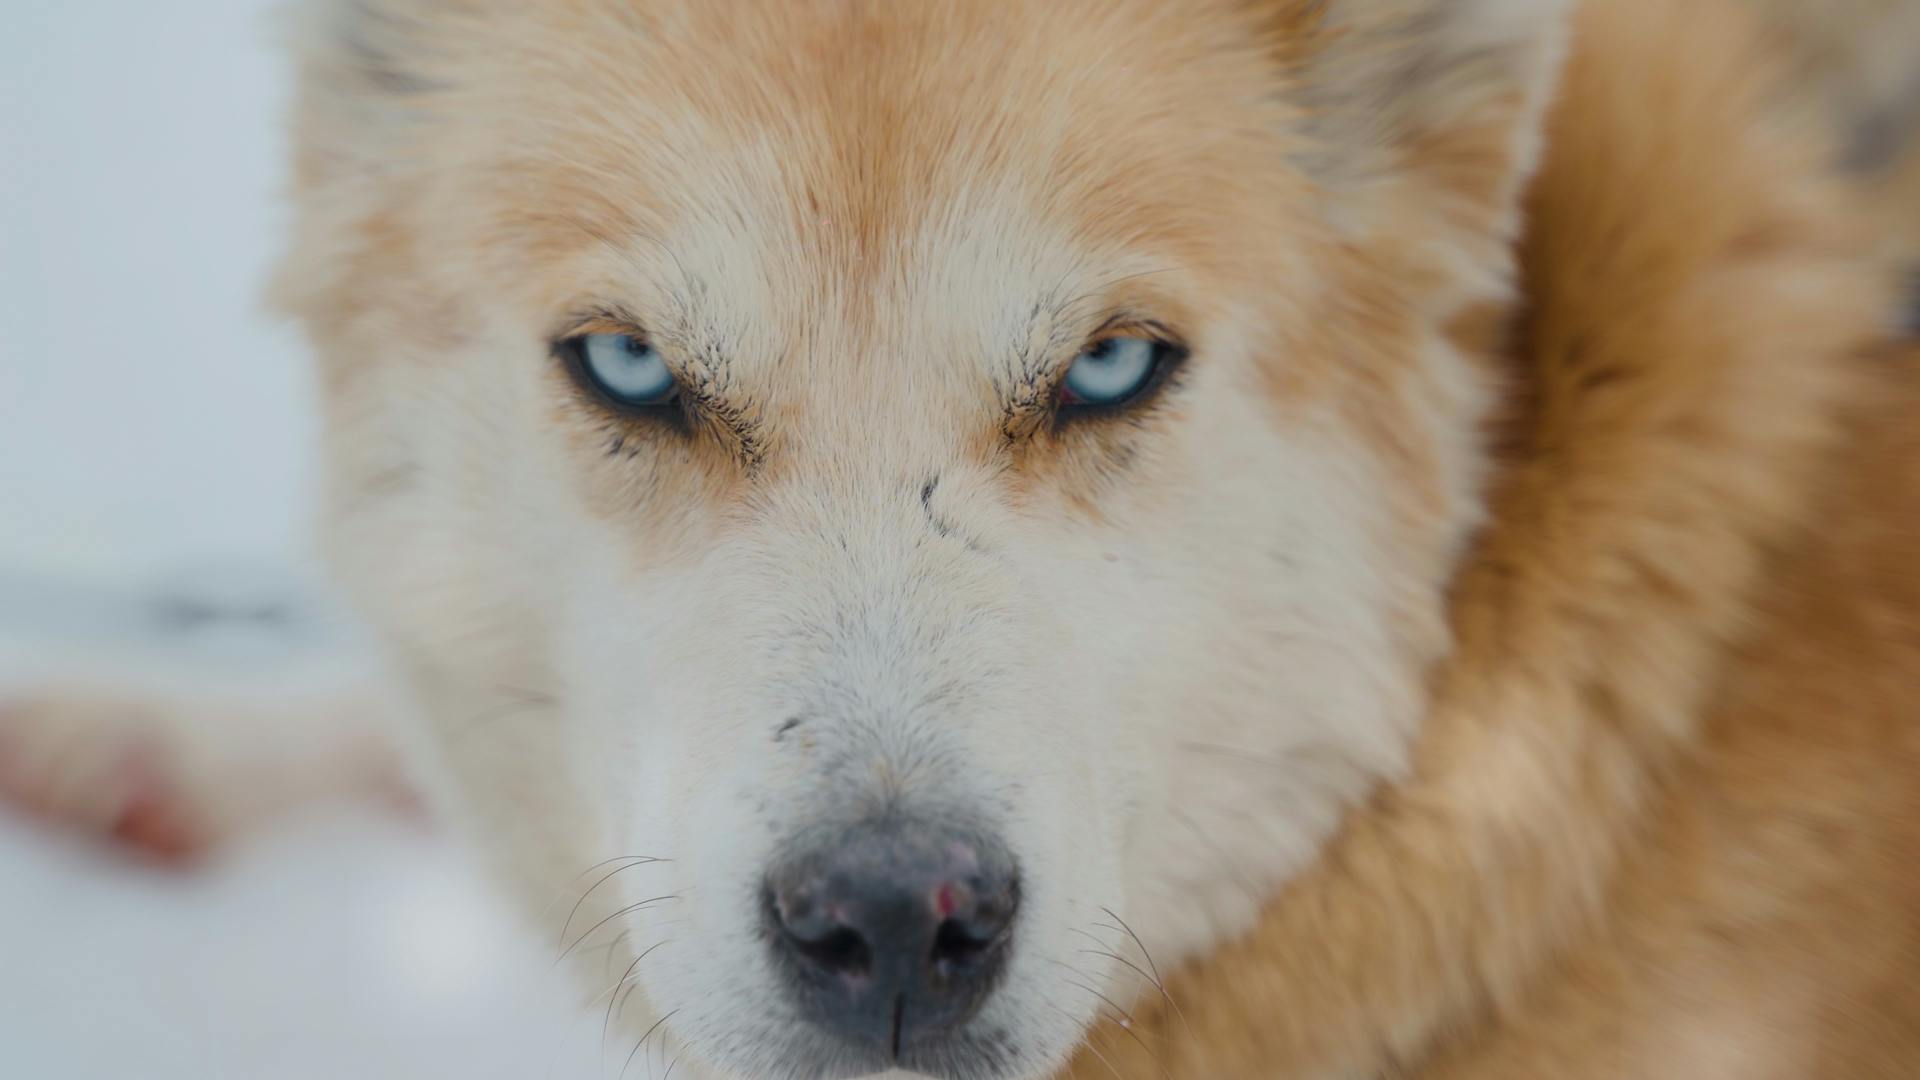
1667 801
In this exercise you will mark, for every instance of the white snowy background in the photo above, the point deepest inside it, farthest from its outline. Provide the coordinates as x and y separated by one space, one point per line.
155 436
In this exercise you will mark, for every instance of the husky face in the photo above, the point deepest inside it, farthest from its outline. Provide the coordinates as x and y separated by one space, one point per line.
955 499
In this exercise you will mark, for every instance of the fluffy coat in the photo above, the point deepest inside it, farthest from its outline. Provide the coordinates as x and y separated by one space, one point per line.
1667 801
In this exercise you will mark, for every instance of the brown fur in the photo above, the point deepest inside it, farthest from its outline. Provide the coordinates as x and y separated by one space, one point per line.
1662 814
1668 799
1667 783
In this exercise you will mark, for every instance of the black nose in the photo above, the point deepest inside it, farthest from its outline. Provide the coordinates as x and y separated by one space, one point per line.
894 931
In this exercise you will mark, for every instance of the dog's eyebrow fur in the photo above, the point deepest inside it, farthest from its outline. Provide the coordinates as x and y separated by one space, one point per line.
1048 330
712 392
1055 323
707 374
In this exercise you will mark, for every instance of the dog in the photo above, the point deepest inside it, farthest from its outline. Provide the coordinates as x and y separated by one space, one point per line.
1233 538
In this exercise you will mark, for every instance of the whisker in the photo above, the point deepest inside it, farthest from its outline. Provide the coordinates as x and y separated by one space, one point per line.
1158 983
524 702
1126 1025
1237 754
1125 1017
614 994
621 1009
1136 967
1122 1018
643 1042
1089 989
528 694
562 894
1128 930
1091 1049
628 910
607 950
609 876
1152 980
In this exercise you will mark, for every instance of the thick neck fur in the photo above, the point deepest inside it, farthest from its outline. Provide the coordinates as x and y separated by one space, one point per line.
1695 318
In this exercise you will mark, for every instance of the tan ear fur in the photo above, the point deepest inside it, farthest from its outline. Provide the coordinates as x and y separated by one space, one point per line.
1421 122
371 47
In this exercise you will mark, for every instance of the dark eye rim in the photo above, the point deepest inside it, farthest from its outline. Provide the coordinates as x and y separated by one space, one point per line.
571 351
1169 356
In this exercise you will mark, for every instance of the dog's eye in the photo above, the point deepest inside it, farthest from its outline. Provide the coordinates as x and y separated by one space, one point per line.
1112 371
625 368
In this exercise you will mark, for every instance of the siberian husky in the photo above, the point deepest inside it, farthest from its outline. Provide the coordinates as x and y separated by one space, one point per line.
1230 538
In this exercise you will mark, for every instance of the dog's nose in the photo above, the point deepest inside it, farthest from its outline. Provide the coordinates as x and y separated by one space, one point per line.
895 931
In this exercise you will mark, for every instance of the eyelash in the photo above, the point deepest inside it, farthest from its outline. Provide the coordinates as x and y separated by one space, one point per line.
1170 358
569 350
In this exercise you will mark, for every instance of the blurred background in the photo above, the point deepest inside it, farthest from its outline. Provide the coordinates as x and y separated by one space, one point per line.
156 474
139 212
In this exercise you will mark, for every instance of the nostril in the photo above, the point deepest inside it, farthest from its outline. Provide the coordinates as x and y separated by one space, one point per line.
972 929
843 951
892 933
817 932
958 946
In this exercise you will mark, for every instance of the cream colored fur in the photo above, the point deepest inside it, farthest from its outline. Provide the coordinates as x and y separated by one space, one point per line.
1383 677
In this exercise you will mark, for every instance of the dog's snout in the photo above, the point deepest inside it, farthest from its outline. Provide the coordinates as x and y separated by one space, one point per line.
895 931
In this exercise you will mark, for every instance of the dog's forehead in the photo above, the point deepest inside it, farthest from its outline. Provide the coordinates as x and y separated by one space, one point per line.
929 171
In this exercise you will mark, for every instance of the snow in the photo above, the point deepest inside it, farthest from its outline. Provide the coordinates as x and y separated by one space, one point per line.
344 946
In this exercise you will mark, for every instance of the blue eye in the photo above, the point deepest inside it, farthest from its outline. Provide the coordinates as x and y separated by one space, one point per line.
1112 371
625 368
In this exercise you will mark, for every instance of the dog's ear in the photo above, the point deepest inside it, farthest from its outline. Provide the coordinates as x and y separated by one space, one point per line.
369 69
371 47
1431 104
368 76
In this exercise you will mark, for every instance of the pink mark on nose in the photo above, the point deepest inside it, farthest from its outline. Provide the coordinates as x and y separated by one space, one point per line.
964 855
947 900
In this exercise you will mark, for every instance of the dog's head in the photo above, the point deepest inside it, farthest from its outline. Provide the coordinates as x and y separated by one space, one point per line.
960 483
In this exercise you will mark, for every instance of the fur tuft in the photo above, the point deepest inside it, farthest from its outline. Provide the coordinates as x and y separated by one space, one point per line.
1444 96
